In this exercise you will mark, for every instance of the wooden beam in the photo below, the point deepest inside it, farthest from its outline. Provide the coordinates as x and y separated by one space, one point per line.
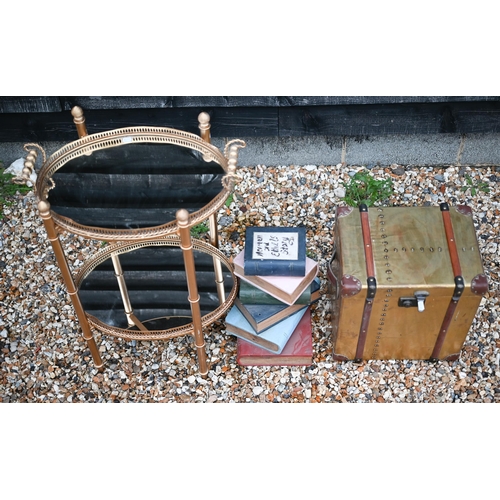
384 119
127 102
244 117
30 104
226 122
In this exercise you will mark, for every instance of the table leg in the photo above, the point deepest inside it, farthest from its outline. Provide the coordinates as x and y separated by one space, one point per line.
193 296
44 208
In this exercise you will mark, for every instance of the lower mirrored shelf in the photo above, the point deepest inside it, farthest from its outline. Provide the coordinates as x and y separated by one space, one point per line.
147 296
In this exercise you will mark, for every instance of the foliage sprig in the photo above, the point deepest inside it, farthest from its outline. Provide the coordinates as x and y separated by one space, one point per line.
364 188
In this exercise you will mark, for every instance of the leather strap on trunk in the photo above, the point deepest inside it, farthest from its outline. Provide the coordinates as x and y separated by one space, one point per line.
371 281
459 281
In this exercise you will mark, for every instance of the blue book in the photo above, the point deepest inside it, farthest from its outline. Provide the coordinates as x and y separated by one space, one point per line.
273 339
275 251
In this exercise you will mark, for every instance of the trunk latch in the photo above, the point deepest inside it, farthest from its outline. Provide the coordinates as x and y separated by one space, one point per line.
418 301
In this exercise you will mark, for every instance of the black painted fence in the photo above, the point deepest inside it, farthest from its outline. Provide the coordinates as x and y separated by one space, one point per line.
41 118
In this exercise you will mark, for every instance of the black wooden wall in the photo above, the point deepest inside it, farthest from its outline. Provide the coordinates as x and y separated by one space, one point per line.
40 118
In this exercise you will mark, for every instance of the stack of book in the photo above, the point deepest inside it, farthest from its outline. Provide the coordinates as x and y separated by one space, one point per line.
271 316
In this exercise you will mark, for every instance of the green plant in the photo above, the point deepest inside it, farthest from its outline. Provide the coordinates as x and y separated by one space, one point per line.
229 200
8 189
199 230
475 186
364 188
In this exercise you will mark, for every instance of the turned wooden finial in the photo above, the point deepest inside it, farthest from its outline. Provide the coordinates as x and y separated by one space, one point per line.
182 216
79 121
44 207
77 113
204 126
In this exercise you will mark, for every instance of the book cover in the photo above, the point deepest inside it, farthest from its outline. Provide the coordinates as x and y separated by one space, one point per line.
263 316
285 288
250 294
298 351
273 339
275 251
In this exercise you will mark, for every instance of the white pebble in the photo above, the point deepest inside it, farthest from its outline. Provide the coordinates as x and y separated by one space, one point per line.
339 192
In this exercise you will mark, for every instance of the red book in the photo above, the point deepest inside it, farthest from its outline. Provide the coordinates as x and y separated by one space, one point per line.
298 350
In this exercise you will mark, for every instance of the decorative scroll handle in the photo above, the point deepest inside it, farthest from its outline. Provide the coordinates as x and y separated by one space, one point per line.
29 163
32 144
235 145
231 177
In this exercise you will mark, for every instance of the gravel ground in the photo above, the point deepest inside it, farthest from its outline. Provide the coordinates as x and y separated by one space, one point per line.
44 359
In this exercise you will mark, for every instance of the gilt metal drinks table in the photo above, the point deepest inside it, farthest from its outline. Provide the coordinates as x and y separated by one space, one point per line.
139 191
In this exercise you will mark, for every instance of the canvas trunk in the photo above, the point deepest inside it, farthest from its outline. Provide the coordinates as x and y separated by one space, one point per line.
406 282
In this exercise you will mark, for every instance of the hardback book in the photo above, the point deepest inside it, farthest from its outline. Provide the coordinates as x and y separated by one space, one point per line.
263 316
285 288
298 351
250 294
273 339
275 251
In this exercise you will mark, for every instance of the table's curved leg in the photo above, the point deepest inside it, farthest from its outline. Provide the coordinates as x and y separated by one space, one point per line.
50 228
132 319
182 216
214 241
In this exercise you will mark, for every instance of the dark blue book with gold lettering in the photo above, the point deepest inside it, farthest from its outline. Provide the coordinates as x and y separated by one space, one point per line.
275 251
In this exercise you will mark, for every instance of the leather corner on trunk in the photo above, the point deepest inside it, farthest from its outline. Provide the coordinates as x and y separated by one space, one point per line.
343 211
479 284
339 357
464 210
349 285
